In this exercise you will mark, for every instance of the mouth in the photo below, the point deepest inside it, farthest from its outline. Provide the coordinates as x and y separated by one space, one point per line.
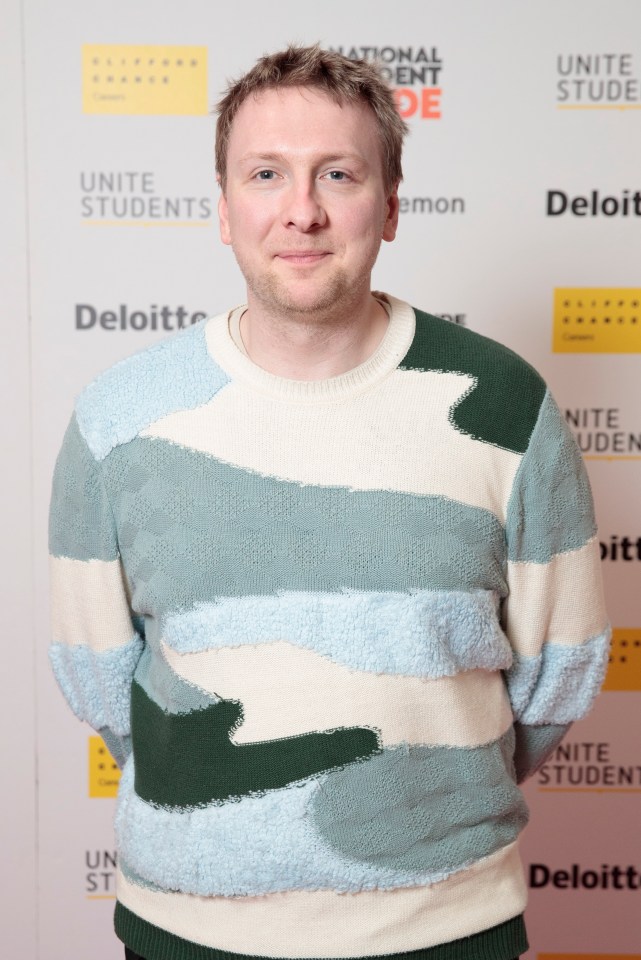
303 257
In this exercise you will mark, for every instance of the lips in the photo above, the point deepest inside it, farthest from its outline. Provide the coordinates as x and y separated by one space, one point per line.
302 256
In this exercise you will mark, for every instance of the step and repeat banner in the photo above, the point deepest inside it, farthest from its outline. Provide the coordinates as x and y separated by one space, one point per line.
520 219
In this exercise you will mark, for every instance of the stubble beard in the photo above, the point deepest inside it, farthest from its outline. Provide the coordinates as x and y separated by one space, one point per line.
332 304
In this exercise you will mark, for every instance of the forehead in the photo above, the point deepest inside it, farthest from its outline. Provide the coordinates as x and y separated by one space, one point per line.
302 120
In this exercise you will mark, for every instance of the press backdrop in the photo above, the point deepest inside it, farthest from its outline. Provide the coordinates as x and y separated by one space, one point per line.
520 217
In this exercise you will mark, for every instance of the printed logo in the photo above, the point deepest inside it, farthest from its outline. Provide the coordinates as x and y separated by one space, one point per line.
594 204
621 548
438 205
624 670
604 877
414 72
128 79
132 198
458 318
88 317
597 81
100 874
597 320
602 433
104 775
590 766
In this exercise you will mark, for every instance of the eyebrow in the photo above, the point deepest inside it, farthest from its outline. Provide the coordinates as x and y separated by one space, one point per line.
323 158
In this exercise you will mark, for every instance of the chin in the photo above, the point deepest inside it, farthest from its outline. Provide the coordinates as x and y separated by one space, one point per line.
333 295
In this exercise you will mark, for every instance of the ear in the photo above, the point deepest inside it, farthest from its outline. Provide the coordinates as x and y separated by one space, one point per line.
391 221
223 218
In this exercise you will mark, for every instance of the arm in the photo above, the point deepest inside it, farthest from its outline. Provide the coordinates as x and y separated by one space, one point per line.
554 615
95 647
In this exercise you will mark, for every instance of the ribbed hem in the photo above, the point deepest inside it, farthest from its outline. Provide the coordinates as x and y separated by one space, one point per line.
503 942
389 353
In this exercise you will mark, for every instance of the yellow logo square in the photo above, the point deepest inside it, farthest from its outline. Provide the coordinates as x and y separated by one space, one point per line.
624 670
132 79
104 774
597 320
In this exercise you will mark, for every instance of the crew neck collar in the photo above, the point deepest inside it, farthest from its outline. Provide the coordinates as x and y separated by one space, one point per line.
390 351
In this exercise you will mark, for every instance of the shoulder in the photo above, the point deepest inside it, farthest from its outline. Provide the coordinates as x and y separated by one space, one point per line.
504 403
177 373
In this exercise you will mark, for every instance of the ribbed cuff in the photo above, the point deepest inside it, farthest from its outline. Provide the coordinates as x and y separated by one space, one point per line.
503 942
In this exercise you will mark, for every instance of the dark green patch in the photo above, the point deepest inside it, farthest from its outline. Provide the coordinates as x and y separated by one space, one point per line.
188 760
503 407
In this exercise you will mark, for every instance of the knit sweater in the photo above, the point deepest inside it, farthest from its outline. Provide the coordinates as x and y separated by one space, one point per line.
338 621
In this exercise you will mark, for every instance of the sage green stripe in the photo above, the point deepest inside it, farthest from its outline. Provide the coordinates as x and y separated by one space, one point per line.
550 509
192 528
81 524
423 809
503 407
502 942
188 760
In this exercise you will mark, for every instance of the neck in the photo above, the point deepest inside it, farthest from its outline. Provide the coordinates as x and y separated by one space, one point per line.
313 346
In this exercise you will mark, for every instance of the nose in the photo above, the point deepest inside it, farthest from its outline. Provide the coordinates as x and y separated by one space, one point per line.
302 206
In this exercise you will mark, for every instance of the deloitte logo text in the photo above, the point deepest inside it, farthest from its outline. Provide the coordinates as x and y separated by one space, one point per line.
606 877
621 548
597 80
626 204
587 765
89 317
600 433
132 198
100 875
414 71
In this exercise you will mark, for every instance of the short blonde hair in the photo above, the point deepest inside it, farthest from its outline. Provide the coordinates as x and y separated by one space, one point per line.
342 79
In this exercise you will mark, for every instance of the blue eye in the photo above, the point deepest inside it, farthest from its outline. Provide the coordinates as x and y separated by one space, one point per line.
337 175
265 175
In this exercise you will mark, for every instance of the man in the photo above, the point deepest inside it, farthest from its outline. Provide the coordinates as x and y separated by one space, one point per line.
336 560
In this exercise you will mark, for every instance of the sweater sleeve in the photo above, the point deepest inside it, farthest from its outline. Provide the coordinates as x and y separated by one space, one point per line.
95 646
554 615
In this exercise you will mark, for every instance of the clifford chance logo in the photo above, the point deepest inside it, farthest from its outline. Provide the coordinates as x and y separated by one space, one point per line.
414 71
150 79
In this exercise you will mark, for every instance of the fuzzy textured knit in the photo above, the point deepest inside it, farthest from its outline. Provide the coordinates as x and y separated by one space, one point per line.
327 627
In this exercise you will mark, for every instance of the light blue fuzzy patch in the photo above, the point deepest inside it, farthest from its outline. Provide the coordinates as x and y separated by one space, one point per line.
175 374
192 528
166 688
81 523
560 684
264 844
534 745
419 633
97 685
550 509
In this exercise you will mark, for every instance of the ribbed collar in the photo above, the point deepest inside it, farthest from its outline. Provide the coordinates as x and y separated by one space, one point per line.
389 353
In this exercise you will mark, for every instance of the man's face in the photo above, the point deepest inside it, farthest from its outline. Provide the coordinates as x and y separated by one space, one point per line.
305 207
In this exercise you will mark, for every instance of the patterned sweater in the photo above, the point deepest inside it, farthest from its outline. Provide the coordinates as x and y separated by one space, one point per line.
338 621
